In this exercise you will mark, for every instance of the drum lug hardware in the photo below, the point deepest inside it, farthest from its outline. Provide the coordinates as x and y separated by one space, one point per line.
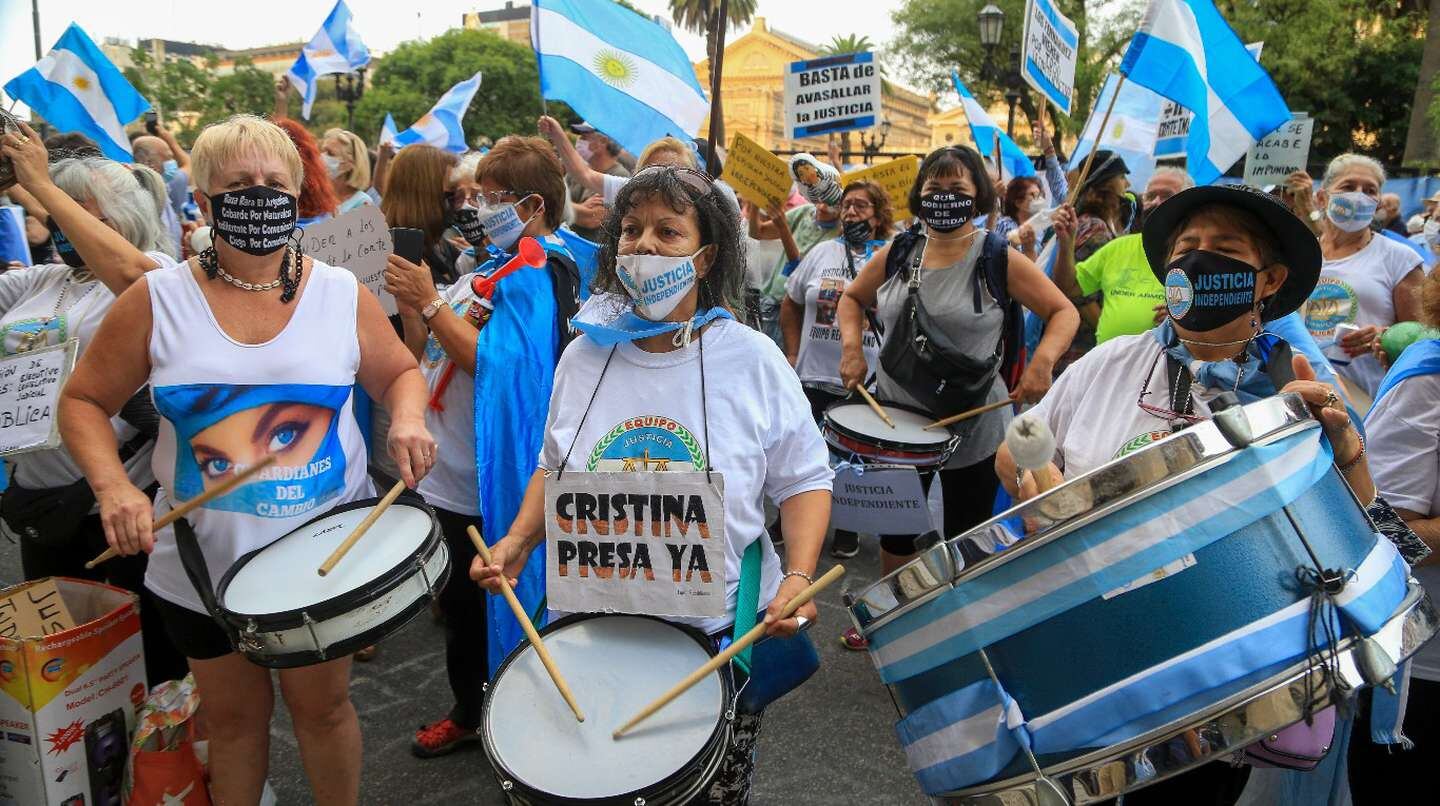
314 638
429 586
639 802
248 639
730 715
507 785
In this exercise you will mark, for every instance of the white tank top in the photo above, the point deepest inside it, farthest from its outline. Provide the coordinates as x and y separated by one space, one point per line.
226 405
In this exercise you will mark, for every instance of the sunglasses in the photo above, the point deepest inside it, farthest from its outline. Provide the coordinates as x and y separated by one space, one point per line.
696 180
1168 415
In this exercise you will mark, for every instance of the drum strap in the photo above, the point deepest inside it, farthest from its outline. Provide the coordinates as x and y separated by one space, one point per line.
747 600
193 561
1181 381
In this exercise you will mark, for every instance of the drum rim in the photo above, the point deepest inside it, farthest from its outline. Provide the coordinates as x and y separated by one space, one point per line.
715 744
342 603
888 444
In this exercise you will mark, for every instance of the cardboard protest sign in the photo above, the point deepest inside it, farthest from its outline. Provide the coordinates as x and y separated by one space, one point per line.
1172 131
831 94
33 610
895 176
358 241
1051 43
30 385
760 177
879 500
636 542
1280 153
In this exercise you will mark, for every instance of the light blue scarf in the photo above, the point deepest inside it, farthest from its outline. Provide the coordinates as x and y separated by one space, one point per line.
631 327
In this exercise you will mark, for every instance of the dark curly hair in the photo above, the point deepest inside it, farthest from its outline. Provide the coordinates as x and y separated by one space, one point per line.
724 284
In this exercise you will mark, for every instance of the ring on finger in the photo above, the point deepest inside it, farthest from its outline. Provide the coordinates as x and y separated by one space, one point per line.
1331 400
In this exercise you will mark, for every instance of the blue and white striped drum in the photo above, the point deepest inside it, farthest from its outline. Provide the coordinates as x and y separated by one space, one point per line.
1140 619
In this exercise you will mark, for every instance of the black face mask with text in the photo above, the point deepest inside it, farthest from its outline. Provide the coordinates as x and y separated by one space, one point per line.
257 220
857 232
1206 290
946 210
466 221
63 247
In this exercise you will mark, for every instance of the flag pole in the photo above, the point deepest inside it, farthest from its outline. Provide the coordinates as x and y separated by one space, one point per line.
535 45
715 71
1099 137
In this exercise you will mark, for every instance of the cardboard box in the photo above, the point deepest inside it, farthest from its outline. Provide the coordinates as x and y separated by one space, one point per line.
71 675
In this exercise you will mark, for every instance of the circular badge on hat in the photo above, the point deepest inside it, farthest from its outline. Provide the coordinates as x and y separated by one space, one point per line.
1179 293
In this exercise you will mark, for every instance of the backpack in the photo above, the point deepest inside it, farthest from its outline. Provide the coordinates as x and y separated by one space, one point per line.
993 267
565 277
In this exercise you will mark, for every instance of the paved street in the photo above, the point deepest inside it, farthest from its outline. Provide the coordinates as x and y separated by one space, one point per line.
831 742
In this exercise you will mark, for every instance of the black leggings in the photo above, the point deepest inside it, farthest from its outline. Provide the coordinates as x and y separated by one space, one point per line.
463 603
969 496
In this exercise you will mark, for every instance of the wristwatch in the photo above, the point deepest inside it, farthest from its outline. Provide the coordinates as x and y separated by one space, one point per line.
429 311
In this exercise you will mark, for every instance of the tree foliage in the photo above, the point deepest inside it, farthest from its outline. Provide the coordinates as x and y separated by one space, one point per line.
178 86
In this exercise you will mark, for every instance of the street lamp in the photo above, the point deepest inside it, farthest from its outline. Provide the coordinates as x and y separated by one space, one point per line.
991 20
348 91
873 144
992 23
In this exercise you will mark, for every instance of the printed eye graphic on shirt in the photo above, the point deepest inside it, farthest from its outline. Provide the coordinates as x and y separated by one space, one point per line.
220 430
1331 303
648 443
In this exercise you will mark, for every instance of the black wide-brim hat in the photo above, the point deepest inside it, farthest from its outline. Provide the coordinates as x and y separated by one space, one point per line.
1292 242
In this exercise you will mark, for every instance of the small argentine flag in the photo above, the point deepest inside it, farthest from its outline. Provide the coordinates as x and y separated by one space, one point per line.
982 127
76 89
619 71
335 48
387 129
441 126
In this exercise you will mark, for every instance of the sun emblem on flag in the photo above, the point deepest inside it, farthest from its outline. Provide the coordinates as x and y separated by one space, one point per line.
81 83
615 68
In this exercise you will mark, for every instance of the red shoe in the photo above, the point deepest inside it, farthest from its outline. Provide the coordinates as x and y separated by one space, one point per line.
851 639
441 738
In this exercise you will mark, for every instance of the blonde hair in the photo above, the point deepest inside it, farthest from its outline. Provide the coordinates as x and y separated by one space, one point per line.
241 135
354 150
1343 163
687 156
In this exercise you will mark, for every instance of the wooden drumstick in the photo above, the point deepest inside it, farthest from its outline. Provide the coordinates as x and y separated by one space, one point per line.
364 526
530 633
198 501
875 406
731 651
1032 446
965 415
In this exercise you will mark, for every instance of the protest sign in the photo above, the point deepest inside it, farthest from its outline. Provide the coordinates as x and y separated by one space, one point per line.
831 94
760 177
1050 43
358 241
30 385
879 500
636 542
895 176
1172 130
33 610
1280 153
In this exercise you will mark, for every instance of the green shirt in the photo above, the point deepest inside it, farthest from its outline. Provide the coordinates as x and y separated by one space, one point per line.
1119 269
807 232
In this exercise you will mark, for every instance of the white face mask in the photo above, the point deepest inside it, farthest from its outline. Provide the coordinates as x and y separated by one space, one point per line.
332 164
1351 212
657 283
1035 206
583 147
502 225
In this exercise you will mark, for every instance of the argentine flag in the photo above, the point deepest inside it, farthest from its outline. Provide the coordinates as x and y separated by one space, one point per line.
335 48
76 89
1130 133
982 127
622 73
387 129
440 127
1186 52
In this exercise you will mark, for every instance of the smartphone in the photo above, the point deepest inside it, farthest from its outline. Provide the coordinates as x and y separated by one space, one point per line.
409 243
152 121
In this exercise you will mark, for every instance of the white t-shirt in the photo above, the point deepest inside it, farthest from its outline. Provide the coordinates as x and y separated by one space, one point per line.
818 283
225 405
1403 432
1359 290
761 436
28 299
451 483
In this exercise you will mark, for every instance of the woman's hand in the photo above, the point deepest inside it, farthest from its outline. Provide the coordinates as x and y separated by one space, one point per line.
1066 224
1327 407
789 589
507 557
1034 383
853 368
27 153
1026 235
126 515
411 285
412 448
551 130
1361 341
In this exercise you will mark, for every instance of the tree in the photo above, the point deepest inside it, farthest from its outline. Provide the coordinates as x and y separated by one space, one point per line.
849 43
172 85
699 16
1420 146
246 89
937 36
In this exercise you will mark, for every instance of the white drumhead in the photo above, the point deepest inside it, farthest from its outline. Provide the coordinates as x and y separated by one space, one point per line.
283 576
615 666
909 426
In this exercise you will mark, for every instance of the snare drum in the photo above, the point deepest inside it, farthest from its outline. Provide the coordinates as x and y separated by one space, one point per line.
853 428
615 666
284 614
1156 618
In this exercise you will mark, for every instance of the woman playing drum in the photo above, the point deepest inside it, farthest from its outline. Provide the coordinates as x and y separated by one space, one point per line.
1232 261
675 384
250 350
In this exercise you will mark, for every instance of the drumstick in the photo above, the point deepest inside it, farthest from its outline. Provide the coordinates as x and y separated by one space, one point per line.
344 548
965 415
524 619
200 500
875 406
731 651
1032 446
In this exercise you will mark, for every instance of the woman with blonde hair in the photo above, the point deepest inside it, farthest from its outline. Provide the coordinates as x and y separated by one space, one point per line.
348 163
250 350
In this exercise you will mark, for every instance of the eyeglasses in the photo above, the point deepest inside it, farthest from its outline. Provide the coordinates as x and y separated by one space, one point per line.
698 181
858 205
1168 415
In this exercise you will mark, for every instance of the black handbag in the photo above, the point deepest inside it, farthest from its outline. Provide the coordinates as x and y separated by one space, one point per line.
920 357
